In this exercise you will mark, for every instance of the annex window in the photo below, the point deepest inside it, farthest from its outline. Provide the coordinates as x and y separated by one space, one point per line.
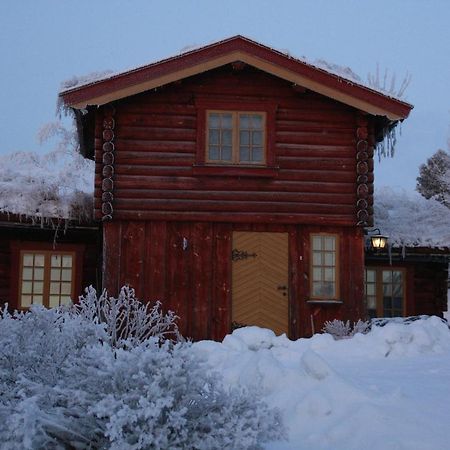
236 137
324 266
46 278
384 292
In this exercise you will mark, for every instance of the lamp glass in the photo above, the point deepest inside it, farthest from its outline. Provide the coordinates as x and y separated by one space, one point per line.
378 241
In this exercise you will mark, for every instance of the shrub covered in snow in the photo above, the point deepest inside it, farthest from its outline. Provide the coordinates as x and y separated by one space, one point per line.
342 330
68 381
127 321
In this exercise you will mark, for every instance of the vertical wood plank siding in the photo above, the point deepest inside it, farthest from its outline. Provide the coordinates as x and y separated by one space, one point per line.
155 154
194 278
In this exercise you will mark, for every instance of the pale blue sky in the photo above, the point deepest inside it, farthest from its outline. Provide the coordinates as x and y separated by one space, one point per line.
45 42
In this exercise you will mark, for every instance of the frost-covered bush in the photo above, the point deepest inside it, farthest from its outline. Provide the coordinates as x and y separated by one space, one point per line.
342 330
127 321
65 383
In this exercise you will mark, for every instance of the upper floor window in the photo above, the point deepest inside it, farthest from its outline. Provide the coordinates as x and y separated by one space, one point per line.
236 137
46 278
324 266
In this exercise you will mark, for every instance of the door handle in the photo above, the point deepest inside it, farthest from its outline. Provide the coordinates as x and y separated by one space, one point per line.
282 288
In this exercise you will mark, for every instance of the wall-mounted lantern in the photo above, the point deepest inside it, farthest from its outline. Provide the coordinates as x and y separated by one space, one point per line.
378 241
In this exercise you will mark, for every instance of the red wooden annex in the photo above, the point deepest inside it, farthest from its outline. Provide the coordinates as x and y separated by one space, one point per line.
234 183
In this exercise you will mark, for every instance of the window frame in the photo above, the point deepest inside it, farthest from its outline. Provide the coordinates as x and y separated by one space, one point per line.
207 104
379 288
337 270
235 139
18 248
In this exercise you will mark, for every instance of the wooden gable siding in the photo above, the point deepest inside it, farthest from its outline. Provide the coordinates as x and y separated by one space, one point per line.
155 139
194 280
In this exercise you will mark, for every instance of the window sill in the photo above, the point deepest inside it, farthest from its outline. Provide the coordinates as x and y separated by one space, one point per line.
324 302
235 171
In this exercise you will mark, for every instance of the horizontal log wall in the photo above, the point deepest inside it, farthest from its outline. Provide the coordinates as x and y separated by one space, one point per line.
155 141
194 279
426 286
90 240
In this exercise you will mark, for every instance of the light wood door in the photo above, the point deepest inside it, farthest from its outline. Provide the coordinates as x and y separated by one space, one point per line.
260 280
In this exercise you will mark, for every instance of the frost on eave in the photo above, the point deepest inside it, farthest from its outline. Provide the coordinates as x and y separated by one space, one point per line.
40 188
410 220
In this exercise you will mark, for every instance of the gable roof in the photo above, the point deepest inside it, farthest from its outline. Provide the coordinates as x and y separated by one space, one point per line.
237 48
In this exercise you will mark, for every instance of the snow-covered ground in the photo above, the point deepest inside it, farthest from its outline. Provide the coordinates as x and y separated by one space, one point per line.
389 389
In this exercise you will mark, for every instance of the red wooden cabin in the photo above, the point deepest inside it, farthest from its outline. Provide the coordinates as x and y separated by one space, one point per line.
234 183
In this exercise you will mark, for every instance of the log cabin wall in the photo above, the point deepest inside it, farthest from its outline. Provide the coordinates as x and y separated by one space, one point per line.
425 284
148 183
13 236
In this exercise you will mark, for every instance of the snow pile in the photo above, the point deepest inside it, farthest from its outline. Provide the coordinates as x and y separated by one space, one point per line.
346 394
411 220
54 185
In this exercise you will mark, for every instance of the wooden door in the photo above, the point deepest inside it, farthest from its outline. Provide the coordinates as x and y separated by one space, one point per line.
260 280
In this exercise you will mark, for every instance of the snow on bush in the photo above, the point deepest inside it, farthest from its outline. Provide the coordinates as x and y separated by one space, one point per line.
127 321
341 330
68 381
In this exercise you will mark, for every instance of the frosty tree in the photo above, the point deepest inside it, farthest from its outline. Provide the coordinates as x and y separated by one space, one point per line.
434 178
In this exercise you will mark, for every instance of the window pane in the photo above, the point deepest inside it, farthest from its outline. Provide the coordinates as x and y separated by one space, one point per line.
37 299
27 274
25 301
66 288
396 276
317 258
328 274
56 260
329 243
226 137
65 300
27 287
317 273
54 301
244 153
55 274
370 289
244 122
67 261
226 153
387 290
370 275
226 121
329 259
257 154
213 153
38 287
28 259
257 121
214 120
39 260
39 274
214 137
371 302
244 138
257 138
66 275
387 276
54 288
317 243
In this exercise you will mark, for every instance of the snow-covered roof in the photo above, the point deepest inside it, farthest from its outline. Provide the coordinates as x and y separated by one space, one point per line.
334 81
411 220
54 185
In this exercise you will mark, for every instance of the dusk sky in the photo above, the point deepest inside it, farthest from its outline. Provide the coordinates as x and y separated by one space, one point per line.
45 42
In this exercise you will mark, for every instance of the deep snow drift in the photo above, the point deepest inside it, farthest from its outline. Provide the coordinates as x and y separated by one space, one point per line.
386 390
